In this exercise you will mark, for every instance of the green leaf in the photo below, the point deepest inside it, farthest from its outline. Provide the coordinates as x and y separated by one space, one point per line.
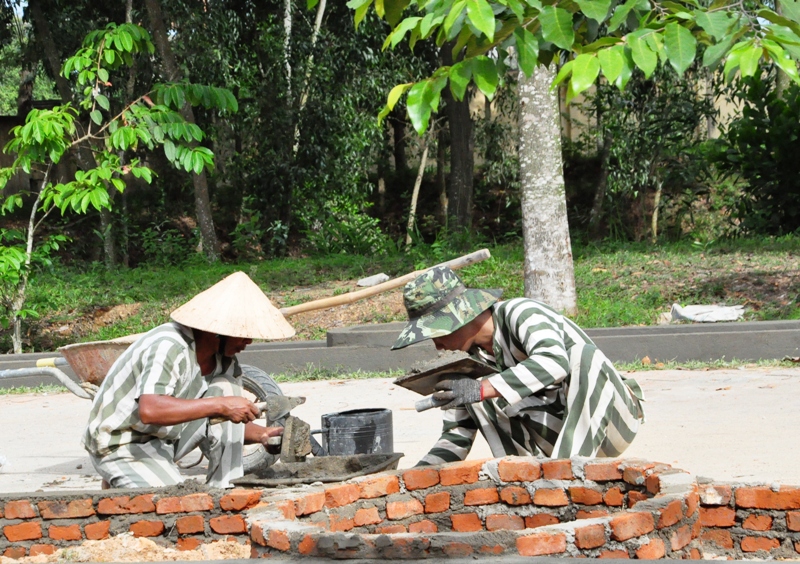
197 163
716 24
361 7
480 14
643 56
419 110
595 9
518 9
732 61
460 75
557 26
96 116
453 15
621 14
102 101
170 150
527 50
428 23
396 93
102 74
748 60
714 53
791 10
109 56
399 32
611 61
681 46
782 59
127 40
484 72
563 73
584 72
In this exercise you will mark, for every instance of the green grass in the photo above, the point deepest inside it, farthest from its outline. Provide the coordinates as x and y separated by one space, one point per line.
42 389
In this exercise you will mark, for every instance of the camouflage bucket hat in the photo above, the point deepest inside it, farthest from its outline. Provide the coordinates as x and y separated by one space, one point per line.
438 303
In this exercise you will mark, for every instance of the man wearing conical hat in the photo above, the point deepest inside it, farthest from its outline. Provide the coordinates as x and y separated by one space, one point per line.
555 394
154 405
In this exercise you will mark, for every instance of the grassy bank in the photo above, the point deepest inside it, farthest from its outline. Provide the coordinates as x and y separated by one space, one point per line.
617 285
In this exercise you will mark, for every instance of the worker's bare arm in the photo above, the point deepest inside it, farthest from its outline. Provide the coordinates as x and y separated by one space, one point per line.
166 410
255 433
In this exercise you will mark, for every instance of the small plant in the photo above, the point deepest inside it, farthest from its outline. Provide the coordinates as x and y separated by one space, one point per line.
165 246
342 226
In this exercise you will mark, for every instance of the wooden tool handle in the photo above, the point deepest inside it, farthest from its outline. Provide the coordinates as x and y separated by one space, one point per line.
351 297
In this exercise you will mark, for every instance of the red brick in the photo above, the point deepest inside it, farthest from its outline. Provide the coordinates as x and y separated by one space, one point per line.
437 502
65 533
670 514
457 549
694 554
493 550
758 522
653 550
340 524
591 536
540 520
793 520
32 530
550 497
379 486
636 474
239 499
482 496
583 514
557 470
286 507
420 478
629 525
424 526
367 516
515 495
185 504
519 469
797 547
391 530
635 497
618 554
66 510
190 524
614 497
309 503
716 494
717 516
97 531
14 552
402 509
539 544
602 471
228 525
278 540
1 512
680 537
20 510
147 528
466 522
307 545
188 544
585 496
652 483
697 528
503 522
720 537
764 498
341 494
460 473
42 549
124 505
692 503
753 544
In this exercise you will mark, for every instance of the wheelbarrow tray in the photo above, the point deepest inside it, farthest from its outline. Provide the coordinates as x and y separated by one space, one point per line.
422 379
91 361
320 469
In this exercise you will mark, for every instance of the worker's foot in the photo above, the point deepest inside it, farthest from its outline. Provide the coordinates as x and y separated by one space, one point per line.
105 485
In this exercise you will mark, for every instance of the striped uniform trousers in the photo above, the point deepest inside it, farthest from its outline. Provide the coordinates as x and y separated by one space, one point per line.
153 463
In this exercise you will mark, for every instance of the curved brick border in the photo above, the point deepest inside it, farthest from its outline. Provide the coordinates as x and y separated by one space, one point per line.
515 506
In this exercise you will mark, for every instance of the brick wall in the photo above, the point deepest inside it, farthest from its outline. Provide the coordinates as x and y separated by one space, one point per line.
512 506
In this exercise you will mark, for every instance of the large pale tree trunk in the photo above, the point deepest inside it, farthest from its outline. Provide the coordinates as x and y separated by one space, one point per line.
202 202
549 274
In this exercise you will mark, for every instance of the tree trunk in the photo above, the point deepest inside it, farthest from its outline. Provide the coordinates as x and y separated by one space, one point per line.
654 218
287 46
45 38
398 123
549 274
441 181
202 202
459 194
412 215
781 78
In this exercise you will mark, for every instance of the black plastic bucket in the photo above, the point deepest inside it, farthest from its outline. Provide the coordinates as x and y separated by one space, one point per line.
358 431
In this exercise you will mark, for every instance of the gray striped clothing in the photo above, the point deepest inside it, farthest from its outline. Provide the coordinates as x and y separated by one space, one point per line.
161 362
560 396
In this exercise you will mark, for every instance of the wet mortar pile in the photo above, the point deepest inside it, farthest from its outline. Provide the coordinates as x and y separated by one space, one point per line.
509 506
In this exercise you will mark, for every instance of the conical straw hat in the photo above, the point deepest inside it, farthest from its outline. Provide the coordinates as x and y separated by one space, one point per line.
236 307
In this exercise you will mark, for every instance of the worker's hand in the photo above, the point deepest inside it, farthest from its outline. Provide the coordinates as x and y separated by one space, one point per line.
270 432
238 409
458 391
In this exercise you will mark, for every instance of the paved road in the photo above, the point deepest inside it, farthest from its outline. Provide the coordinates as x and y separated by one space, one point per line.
736 425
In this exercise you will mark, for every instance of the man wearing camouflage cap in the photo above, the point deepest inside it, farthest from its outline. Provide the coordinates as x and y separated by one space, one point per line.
555 393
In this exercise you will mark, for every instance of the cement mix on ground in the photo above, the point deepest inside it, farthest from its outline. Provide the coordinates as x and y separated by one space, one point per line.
736 425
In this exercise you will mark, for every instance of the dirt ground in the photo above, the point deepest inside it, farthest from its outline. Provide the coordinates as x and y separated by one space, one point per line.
127 548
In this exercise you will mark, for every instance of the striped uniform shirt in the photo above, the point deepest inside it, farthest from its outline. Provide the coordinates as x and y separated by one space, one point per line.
531 345
162 362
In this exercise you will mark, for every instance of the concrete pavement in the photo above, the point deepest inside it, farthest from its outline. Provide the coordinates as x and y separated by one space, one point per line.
734 425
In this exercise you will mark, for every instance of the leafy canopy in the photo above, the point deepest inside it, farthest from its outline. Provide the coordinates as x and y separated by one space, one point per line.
608 38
